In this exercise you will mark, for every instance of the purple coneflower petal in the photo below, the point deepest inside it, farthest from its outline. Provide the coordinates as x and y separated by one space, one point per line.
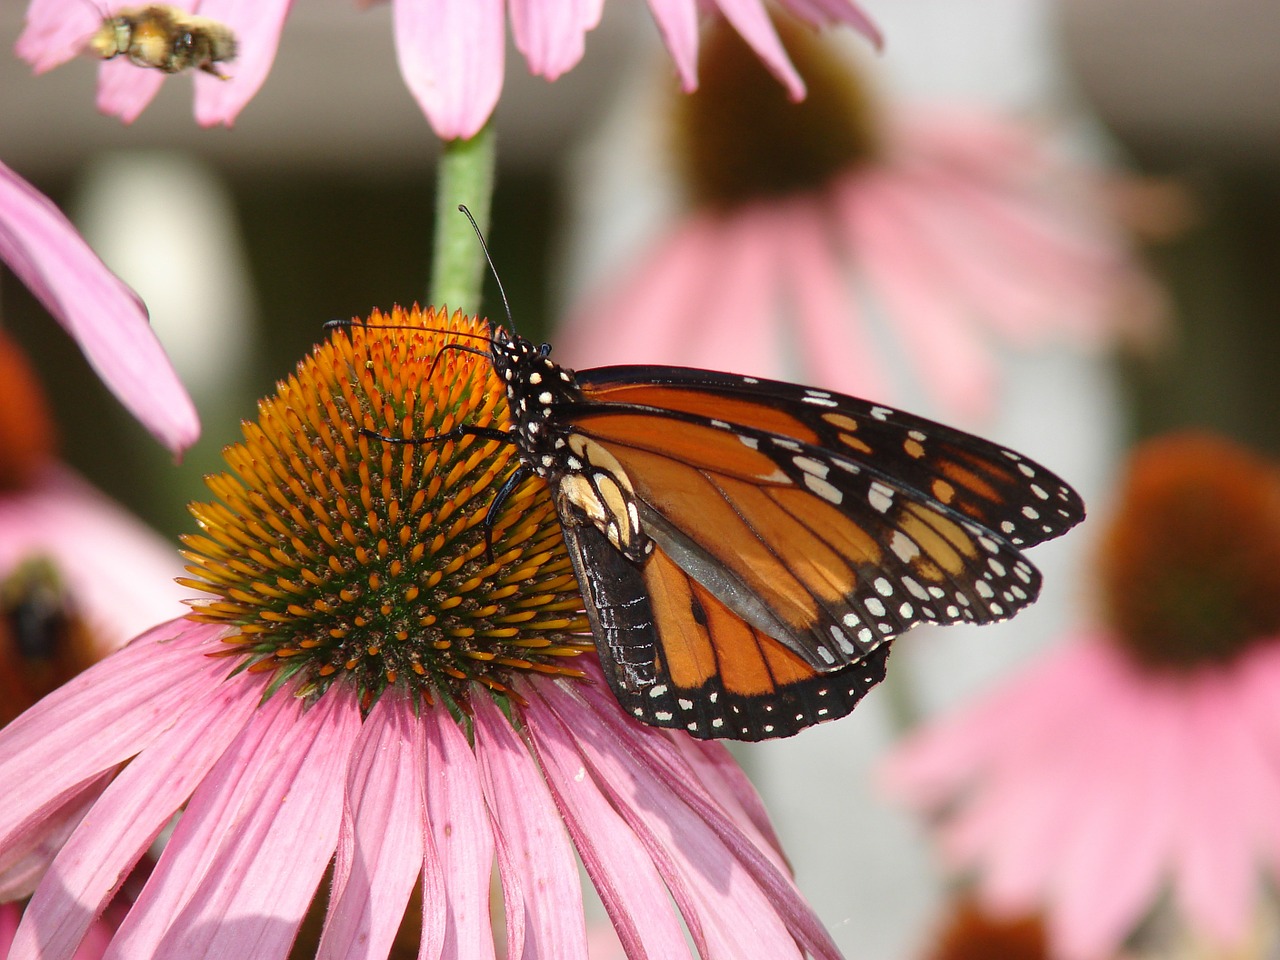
451 57
552 35
619 865
823 13
127 817
56 31
677 22
257 25
243 864
380 851
938 332
531 831
102 718
125 90
752 22
836 344
103 315
735 901
463 836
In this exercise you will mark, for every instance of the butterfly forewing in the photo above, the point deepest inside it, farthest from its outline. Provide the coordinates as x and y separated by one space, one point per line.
995 487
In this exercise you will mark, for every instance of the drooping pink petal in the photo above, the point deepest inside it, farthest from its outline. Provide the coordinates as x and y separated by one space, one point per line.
125 90
648 318
534 836
56 31
127 817
380 852
1214 866
752 22
451 57
835 344
463 836
720 774
629 886
1125 805
243 864
103 315
119 572
735 901
552 35
677 22
823 13
732 325
99 719
954 366
257 25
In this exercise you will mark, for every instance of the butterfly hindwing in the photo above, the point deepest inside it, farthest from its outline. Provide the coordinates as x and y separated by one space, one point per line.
709 672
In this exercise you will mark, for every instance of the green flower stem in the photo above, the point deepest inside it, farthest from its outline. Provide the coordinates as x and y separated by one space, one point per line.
457 261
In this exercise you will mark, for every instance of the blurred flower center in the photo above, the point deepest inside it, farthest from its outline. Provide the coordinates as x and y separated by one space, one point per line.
1191 565
27 440
971 933
740 138
335 554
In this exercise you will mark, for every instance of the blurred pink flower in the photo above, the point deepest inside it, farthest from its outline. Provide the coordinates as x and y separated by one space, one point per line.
104 316
451 52
117 572
1143 757
275 789
962 232
1087 785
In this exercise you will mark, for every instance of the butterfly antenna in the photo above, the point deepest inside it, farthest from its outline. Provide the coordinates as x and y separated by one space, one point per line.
506 305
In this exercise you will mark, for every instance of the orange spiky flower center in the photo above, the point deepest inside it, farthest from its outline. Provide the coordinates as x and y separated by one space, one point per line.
334 554
740 138
1191 565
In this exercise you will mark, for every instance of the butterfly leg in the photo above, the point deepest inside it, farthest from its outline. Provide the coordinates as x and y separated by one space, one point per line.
521 474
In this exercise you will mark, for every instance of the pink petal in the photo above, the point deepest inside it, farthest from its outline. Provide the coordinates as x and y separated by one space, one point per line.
629 886
131 812
380 851
1225 800
646 317
99 719
125 90
838 351
462 833
719 773
953 363
677 21
1125 805
823 13
751 20
56 31
119 571
451 57
257 25
243 865
103 315
531 829
551 35
735 901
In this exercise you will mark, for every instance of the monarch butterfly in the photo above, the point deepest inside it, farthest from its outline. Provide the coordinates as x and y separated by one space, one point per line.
747 548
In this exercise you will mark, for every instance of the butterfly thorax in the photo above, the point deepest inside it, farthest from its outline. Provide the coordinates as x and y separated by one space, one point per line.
583 475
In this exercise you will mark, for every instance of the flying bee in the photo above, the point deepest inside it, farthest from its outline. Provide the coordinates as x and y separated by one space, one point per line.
165 38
